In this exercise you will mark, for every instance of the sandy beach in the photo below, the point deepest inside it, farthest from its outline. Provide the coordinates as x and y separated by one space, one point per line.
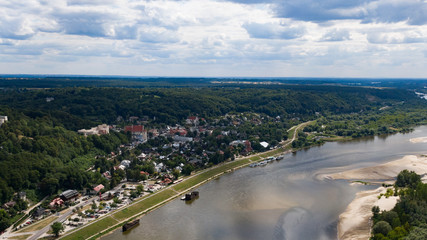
418 140
386 171
354 223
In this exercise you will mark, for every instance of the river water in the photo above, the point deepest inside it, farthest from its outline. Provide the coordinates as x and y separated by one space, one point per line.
283 200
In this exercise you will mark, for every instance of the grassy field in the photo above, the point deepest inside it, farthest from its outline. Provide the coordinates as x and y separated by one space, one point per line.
208 174
91 229
21 237
144 204
38 225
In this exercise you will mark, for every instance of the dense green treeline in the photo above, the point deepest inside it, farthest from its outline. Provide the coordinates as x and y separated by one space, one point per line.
37 154
408 219
51 81
76 108
370 123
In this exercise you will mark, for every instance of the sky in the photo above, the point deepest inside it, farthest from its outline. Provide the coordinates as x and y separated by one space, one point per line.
215 38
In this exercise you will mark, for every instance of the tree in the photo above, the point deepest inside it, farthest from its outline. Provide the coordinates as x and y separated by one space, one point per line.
176 173
382 227
57 228
417 234
139 189
375 212
406 178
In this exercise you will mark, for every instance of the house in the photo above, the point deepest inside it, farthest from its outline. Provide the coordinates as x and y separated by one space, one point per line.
49 99
237 143
98 188
133 118
3 119
173 131
264 144
153 132
166 182
138 132
125 163
107 175
182 139
57 202
22 196
39 212
142 156
99 130
69 195
192 120
159 167
135 129
8 205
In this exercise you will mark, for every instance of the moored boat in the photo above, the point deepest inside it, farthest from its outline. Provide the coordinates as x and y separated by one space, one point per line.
130 225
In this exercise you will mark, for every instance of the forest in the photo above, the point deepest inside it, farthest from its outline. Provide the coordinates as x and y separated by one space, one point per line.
76 108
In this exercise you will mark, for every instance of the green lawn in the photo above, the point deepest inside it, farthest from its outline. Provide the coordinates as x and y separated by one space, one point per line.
255 158
91 229
16 218
144 204
208 174
38 225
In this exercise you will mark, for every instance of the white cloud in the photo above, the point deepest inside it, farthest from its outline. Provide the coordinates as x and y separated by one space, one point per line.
208 37
336 35
273 30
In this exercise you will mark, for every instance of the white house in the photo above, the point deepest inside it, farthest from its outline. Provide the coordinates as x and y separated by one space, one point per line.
125 163
264 144
3 119
98 130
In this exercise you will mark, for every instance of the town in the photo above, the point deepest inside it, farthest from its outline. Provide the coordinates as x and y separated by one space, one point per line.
154 158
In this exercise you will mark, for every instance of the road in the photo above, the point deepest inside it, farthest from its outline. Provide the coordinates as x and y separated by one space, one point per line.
64 216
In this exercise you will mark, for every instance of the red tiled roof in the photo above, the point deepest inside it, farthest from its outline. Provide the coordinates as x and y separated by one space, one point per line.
98 188
134 128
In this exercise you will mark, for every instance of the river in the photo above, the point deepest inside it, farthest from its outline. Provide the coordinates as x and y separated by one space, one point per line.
283 200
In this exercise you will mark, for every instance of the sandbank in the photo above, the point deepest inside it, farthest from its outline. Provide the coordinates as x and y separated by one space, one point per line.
386 171
418 140
354 222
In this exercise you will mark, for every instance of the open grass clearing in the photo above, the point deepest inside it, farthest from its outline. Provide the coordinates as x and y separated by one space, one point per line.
38 225
21 237
91 229
208 174
143 205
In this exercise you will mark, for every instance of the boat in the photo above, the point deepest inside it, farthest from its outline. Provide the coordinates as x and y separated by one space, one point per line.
252 165
130 225
263 163
191 196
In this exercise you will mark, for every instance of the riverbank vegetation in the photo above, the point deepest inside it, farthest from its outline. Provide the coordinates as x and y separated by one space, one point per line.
408 219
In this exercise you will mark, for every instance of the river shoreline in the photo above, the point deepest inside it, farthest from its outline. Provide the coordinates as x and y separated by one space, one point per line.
355 222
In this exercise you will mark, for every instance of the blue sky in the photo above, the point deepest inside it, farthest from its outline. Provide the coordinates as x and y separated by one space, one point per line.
253 38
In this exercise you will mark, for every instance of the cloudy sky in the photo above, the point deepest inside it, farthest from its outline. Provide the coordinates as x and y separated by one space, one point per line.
254 38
